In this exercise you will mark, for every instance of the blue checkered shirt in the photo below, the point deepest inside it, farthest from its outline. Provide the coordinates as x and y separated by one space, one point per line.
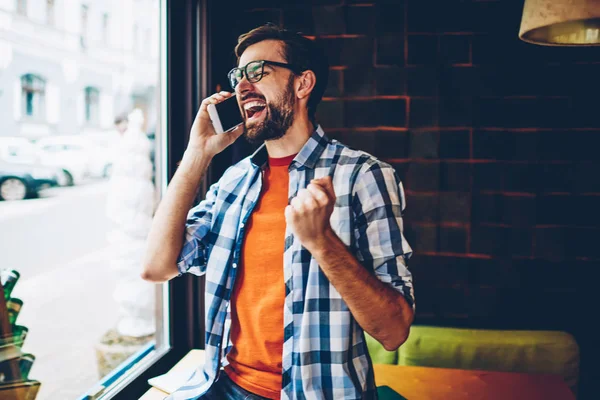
325 355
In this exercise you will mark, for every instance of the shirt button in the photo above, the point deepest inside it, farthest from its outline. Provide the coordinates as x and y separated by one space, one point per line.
242 225
234 265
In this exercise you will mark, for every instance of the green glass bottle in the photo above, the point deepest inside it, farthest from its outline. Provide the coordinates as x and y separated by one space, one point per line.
25 363
13 307
9 278
19 335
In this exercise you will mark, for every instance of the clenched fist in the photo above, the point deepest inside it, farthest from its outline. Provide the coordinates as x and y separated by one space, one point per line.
309 212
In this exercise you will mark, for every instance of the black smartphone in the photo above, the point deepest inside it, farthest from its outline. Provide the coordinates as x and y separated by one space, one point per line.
226 115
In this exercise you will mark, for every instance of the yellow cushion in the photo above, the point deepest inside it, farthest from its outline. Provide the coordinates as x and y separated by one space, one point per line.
549 352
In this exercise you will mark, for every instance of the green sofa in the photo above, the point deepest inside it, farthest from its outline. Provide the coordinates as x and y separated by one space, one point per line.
547 352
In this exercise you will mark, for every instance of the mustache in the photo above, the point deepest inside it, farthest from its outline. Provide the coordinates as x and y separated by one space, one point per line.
252 96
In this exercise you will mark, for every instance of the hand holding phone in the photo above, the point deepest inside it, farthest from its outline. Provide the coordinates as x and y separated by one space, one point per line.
203 137
226 115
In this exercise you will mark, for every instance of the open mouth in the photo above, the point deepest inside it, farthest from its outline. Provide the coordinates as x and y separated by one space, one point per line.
255 110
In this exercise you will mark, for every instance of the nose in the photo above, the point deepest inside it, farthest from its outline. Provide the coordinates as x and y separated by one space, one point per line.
243 86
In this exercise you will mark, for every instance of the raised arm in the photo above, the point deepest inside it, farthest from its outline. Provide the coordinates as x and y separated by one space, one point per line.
166 236
376 285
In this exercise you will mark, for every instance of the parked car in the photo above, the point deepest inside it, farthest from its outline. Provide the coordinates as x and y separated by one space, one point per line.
55 151
85 157
21 181
18 150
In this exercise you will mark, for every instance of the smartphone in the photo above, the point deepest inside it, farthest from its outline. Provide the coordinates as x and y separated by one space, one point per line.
226 115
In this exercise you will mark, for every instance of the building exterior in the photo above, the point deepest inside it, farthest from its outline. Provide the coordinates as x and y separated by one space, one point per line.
69 67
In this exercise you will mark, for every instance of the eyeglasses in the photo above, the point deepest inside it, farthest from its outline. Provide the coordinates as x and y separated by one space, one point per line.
254 71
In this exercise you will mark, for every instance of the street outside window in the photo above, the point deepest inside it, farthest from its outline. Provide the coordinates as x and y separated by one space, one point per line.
78 131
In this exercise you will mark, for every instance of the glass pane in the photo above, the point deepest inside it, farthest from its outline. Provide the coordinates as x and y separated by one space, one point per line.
78 138
30 102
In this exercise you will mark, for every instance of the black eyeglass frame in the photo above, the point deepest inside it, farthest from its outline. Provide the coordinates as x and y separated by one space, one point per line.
244 71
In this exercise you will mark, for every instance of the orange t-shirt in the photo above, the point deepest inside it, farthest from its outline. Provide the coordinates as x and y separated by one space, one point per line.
258 296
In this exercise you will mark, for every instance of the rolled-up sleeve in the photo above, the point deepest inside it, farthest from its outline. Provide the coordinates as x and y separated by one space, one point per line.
193 256
378 204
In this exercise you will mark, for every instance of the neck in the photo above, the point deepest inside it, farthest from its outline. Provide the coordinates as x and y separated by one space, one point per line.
294 139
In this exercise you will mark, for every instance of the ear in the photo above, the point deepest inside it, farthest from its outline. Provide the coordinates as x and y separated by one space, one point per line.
305 83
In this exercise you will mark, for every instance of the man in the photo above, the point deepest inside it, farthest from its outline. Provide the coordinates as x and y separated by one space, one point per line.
301 242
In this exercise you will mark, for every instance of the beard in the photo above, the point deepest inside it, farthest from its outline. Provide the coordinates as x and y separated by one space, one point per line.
279 118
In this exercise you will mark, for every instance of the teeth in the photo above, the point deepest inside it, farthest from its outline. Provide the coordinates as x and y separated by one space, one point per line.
254 104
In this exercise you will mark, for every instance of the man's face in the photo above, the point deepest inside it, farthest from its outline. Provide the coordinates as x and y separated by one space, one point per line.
267 105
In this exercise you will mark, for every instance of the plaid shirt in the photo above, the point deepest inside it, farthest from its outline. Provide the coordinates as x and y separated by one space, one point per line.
325 355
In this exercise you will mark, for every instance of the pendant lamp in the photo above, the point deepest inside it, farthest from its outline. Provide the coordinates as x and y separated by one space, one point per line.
561 22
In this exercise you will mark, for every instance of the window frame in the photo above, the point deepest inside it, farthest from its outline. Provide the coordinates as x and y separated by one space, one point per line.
184 72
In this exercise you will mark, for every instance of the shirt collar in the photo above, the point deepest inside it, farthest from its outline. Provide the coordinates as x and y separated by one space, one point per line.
308 156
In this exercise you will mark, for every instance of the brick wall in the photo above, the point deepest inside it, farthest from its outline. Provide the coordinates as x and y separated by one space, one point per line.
496 142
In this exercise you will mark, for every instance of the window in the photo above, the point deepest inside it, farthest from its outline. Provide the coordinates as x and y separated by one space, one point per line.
22 7
50 12
92 105
33 95
77 245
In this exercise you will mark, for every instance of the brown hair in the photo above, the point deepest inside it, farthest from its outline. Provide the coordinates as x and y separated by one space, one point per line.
299 51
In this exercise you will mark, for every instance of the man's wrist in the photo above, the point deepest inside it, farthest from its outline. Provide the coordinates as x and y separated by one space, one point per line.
194 163
323 243
197 152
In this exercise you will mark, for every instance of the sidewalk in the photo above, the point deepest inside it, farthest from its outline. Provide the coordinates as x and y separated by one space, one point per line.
59 246
67 309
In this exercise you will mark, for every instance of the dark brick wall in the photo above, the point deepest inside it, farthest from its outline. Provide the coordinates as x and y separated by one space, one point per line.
496 141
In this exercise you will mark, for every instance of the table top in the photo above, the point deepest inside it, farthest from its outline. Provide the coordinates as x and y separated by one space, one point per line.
444 383
439 383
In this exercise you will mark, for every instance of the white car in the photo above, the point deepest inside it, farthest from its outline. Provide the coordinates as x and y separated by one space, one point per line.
79 157
18 150
55 151
19 155
85 156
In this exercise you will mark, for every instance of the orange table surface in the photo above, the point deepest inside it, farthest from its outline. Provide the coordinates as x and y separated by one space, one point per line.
444 383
